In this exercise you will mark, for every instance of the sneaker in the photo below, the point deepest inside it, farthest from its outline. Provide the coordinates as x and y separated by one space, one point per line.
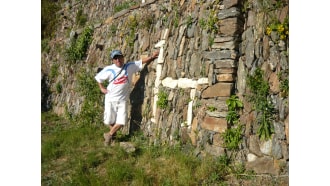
107 139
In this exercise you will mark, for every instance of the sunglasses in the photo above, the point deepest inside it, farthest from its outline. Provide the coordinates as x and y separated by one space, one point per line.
117 57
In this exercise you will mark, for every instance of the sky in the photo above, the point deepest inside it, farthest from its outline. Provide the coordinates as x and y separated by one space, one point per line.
20 134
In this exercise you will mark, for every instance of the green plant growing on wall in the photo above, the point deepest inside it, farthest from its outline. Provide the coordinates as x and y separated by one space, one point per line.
91 109
132 24
176 14
211 40
124 5
197 104
181 91
281 28
113 29
259 98
164 20
58 88
146 111
246 6
145 21
232 117
284 87
189 21
233 104
210 24
211 108
284 83
162 101
203 69
81 18
78 47
45 45
233 137
54 71
268 6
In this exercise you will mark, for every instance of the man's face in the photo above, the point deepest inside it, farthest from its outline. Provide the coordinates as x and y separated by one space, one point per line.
118 61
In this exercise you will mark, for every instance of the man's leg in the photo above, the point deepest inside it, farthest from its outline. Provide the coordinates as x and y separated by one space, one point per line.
114 129
107 137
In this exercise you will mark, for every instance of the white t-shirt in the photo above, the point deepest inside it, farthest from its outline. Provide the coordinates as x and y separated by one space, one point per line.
118 89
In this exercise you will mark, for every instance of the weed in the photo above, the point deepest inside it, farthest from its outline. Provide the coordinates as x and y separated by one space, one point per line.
211 40
124 5
176 13
259 98
234 103
132 24
146 21
197 104
246 6
54 71
210 24
284 83
189 21
113 29
45 45
232 117
59 88
81 18
203 69
211 108
162 101
284 87
181 91
232 137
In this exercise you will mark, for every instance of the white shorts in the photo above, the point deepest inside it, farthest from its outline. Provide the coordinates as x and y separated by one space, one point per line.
115 112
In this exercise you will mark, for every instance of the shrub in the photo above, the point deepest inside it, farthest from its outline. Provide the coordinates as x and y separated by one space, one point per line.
78 47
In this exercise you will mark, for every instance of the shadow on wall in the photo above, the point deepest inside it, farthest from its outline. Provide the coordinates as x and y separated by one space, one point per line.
136 99
45 94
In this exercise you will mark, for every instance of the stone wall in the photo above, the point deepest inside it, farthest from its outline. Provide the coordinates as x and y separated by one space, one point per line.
201 64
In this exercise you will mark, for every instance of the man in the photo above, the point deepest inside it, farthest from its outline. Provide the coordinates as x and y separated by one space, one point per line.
117 92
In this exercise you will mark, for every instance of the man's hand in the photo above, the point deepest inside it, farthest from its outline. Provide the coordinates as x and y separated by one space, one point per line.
155 54
151 58
103 90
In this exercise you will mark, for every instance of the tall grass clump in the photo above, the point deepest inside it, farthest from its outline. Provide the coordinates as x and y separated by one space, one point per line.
75 155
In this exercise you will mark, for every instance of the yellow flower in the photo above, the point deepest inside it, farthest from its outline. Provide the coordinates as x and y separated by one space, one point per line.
268 30
282 37
287 32
280 28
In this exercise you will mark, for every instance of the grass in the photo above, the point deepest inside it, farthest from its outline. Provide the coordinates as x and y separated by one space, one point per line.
73 154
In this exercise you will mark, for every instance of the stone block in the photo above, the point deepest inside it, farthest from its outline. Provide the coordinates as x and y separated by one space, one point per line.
230 26
193 132
226 78
263 165
218 90
214 124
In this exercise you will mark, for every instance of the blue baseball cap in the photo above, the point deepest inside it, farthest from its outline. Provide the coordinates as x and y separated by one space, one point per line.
115 53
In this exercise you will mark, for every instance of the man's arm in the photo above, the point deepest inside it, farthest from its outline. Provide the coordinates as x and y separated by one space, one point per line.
103 90
151 58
